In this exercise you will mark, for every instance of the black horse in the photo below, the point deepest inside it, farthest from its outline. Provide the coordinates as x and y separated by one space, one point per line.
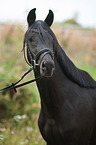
68 94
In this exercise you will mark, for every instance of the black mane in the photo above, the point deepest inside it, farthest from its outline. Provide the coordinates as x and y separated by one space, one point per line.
82 78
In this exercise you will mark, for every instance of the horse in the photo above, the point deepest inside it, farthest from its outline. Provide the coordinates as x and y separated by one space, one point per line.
67 93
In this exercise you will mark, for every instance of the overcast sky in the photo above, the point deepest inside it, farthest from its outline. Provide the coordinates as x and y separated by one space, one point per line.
16 10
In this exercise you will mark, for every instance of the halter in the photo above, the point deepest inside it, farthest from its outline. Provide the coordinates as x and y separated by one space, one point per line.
34 64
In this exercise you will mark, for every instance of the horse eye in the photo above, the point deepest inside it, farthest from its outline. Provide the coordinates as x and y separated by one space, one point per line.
30 39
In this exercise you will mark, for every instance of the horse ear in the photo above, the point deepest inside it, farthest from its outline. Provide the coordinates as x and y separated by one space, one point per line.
49 19
31 17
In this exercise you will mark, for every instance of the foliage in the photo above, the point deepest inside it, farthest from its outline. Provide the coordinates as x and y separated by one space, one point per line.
18 112
70 21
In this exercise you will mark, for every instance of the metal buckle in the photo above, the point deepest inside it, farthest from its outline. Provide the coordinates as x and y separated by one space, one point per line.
34 64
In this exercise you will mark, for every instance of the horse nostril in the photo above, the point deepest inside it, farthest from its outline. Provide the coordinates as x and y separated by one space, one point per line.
47 68
43 64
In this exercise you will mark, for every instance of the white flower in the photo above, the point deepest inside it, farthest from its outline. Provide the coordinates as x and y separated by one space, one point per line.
2 129
18 117
1 137
24 116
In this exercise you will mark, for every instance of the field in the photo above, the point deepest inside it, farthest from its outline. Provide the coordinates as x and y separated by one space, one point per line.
19 112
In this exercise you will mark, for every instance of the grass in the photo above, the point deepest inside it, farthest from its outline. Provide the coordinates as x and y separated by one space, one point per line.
19 112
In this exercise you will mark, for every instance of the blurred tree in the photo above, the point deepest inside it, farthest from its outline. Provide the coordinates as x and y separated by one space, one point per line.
73 20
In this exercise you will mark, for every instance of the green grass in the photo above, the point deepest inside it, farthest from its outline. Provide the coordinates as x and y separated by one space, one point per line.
18 111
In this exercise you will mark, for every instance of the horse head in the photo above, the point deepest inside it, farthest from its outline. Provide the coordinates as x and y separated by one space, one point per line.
39 43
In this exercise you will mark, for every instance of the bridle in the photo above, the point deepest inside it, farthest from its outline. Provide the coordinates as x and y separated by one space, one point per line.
35 57
34 64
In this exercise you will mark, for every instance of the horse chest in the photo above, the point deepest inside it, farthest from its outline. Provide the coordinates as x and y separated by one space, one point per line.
48 128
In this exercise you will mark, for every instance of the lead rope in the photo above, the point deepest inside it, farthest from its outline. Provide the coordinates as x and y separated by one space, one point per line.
14 85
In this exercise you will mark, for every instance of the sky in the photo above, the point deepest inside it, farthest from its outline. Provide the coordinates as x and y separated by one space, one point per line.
17 10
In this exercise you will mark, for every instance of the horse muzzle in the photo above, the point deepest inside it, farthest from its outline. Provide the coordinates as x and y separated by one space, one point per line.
47 66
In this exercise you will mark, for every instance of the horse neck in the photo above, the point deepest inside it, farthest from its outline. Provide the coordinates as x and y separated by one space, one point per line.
52 90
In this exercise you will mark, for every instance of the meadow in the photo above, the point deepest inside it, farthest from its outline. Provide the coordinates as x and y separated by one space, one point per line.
19 111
